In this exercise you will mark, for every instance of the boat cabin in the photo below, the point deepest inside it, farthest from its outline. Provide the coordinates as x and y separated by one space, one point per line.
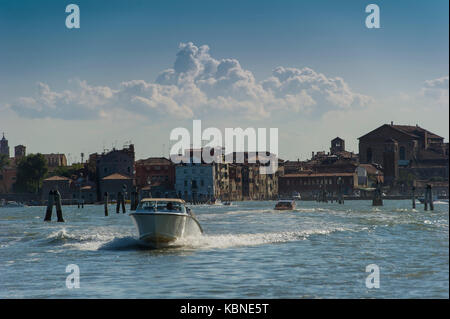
285 205
168 205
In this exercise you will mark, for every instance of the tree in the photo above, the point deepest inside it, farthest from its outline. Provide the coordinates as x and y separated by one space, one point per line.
4 161
31 170
68 171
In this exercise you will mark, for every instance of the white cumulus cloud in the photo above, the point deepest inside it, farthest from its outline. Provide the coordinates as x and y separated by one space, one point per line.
198 85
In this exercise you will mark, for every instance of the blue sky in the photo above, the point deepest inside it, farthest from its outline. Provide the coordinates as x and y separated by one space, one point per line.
384 71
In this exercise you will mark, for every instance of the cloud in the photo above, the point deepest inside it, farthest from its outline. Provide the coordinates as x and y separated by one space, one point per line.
437 91
82 102
199 85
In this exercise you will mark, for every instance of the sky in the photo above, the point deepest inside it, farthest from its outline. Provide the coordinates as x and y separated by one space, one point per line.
135 70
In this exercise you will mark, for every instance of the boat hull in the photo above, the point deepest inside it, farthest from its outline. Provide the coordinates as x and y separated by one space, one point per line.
161 229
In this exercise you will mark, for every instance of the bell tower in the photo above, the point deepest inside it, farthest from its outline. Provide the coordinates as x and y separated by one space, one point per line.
4 148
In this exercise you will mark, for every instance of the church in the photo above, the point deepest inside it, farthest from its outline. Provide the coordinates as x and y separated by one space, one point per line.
411 149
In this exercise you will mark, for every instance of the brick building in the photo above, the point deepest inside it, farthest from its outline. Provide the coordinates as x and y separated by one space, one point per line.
309 183
405 150
155 171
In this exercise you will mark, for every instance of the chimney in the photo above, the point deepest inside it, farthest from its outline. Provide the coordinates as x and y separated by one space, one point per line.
392 123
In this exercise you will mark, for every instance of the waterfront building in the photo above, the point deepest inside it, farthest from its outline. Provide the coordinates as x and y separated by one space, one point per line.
60 183
195 181
247 182
114 161
406 152
308 184
115 183
368 175
156 173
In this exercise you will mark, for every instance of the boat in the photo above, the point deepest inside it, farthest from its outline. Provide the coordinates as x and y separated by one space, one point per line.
227 203
4 203
422 199
296 196
214 201
162 221
285 205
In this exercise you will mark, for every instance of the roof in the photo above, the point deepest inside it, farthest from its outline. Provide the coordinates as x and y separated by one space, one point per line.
116 176
337 138
409 130
57 178
372 170
163 200
154 161
318 175
412 129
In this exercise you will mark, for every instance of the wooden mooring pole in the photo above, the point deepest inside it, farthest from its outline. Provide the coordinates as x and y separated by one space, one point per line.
120 201
48 213
414 197
377 200
58 206
428 198
54 197
105 199
134 199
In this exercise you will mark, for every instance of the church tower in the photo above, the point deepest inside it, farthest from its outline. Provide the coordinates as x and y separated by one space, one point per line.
4 148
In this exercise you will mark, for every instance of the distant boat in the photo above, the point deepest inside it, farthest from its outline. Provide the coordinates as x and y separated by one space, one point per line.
214 201
285 205
296 196
422 199
227 203
11 204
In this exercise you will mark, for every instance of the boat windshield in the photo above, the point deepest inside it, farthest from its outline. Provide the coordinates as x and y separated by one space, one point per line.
284 204
162 206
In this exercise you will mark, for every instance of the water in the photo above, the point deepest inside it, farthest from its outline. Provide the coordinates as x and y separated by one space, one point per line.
248 251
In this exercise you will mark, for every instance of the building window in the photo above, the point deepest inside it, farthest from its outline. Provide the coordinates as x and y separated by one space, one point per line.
402 153
369 155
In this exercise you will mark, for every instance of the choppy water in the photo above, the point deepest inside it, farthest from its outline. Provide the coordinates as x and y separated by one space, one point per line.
248 251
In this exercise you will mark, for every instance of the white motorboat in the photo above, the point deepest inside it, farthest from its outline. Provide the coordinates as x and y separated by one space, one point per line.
161 221
296 196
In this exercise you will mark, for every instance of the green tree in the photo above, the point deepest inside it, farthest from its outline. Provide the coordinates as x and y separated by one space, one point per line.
68 171
4 161
31 170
